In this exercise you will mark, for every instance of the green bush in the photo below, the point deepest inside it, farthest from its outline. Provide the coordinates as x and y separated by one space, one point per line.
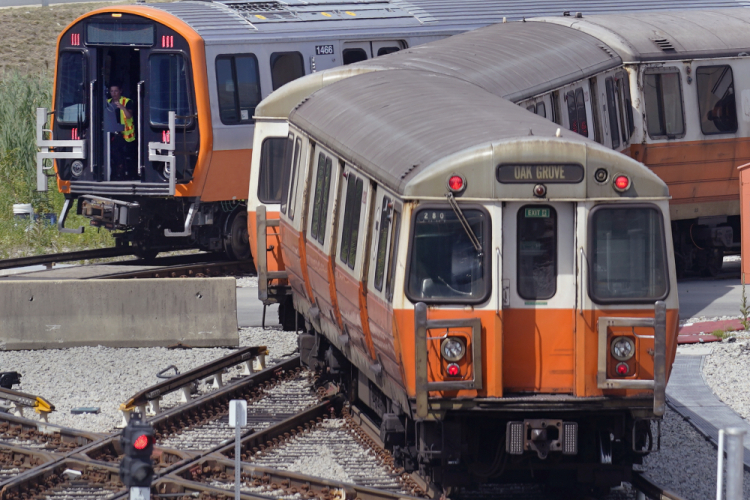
20 95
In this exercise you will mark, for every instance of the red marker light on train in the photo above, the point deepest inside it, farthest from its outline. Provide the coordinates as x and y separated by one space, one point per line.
622 183
622 369
453 370
456 183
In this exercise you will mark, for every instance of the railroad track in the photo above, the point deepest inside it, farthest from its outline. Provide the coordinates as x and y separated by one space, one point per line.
296 435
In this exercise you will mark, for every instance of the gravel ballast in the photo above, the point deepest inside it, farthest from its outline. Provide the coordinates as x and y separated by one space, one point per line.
104 377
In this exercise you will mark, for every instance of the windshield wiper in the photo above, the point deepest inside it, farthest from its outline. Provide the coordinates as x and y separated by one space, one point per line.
462 219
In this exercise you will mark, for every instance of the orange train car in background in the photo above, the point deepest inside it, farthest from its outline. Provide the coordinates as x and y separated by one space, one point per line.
500 293
169 166
659 87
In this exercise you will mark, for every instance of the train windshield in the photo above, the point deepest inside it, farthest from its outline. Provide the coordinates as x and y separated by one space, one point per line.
628 255
445 266
168 89
71 97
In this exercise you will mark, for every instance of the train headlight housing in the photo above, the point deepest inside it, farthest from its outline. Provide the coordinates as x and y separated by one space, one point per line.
76 168
453 349
622 348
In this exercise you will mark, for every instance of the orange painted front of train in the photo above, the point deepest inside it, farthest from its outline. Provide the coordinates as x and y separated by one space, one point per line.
503 304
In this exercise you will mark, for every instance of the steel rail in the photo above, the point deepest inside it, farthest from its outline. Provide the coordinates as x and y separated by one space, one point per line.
199 270
97 253
646 485
182 380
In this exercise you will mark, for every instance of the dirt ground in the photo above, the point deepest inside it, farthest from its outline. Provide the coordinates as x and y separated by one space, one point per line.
29 34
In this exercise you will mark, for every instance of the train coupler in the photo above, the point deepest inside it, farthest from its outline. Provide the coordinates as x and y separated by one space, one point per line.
543 436
112 214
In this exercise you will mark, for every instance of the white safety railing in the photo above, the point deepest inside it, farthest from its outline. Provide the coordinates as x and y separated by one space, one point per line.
46 146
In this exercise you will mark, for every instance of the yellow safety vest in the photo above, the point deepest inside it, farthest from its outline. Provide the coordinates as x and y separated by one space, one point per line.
129 133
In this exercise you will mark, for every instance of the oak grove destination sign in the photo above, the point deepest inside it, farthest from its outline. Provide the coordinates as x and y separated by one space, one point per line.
560 173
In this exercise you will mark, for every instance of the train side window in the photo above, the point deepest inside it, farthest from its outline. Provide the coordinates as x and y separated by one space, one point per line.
382 243
382 51
614 131
274 154
593 89
320 201
392 253
570 98
287 175
718 110
352 212
295 178
285 67
622 84
238 84
556 113
168 89
628 254
354 55
663 98
72 88
531 108
537 252
541 110
581 109
444 266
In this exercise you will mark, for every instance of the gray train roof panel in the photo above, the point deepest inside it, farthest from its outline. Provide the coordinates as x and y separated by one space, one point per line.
670 35
513 60
392 124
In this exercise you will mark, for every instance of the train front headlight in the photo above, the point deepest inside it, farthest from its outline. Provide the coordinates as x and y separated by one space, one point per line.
453 349
623 348
76 168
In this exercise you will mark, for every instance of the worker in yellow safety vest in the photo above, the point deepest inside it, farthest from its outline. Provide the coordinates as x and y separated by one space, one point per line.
122 144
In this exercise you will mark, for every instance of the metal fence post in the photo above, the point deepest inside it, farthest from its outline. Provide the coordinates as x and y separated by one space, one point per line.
734 441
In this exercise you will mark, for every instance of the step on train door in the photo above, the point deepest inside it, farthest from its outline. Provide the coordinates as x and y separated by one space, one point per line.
538 297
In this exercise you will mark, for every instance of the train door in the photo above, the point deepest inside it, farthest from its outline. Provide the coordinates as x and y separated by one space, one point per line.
538 297
361 51
576 110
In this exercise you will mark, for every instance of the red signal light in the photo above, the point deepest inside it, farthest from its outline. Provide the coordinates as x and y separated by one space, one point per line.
622 182
622 369
456 183
453 370
141 442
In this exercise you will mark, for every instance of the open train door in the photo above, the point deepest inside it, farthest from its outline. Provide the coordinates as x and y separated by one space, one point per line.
538 325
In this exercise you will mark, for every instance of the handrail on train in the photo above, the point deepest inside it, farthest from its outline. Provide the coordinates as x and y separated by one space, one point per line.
659 382
47 146
421 326
152 395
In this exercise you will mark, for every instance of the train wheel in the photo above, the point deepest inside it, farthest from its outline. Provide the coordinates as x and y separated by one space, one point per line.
236 239
711 262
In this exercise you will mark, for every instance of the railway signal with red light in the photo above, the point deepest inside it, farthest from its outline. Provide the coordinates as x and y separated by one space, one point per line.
137 441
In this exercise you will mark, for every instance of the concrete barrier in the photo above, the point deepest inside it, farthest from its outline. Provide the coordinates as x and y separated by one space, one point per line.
197 312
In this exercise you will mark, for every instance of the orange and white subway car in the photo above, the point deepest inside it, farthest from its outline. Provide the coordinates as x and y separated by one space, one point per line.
499 293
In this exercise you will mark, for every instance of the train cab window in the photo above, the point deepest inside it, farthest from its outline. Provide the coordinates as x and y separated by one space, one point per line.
294 179
352 212
238 85
628 254
320 201
285 67
382 51
625 106
541 110
718 110
444 265
382 243
614 130
577 112
273 159
72 88
168 89
352 56
663 99
537 251
392 253
288 174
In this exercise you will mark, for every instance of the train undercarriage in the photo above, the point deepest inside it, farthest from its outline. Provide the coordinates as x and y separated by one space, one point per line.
567 444
151 225
701 244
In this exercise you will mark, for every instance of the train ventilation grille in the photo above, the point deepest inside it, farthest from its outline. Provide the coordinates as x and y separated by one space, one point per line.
269 10
663 44
607 50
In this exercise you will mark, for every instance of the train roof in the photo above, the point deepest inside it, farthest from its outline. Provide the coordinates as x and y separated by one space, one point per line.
223 21
678 34
410 130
